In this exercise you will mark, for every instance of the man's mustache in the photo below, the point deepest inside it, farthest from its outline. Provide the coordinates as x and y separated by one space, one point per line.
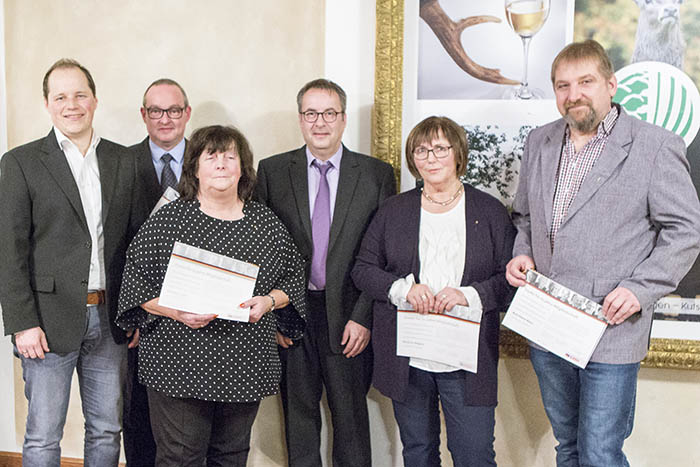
577 103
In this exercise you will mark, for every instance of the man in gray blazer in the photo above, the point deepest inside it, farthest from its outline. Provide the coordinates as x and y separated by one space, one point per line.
606 207
326 196
69 210
165 111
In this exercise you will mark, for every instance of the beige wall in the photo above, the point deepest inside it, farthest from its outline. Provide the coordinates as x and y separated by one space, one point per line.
232 58
668 415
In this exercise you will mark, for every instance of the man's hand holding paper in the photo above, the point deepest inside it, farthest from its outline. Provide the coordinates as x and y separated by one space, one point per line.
554 317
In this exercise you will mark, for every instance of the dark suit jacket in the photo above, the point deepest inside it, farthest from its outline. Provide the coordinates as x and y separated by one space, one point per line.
390 251
363 184
148 179
45 243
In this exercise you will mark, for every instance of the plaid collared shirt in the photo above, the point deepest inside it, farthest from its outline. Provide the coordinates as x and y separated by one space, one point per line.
574 167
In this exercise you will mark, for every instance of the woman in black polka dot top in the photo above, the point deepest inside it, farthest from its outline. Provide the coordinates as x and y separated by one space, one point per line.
206 376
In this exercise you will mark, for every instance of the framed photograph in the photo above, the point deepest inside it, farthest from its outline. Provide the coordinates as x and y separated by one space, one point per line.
486 64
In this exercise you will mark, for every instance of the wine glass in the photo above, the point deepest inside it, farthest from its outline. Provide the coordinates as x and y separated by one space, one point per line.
526 17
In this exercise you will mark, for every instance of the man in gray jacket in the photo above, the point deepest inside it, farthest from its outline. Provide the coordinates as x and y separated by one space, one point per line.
607 208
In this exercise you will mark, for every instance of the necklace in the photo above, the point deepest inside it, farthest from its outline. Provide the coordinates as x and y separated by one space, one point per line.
443 203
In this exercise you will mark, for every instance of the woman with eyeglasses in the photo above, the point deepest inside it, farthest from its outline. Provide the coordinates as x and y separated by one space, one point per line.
206 376
436 247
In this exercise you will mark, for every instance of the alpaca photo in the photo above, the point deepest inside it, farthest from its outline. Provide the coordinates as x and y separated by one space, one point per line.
659 37
634 31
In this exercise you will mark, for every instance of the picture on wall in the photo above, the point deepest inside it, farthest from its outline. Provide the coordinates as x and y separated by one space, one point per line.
488 49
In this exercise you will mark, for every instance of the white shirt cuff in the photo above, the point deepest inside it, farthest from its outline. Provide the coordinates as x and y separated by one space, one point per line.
472 297
399 289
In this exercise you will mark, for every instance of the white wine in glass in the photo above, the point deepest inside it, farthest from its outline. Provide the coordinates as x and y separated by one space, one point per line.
526 17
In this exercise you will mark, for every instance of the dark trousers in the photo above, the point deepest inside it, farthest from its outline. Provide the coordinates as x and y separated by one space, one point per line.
469 428
193 432
139 446
310 365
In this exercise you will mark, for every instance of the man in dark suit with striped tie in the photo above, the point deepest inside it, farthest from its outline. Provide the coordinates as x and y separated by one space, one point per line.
165 112
159 157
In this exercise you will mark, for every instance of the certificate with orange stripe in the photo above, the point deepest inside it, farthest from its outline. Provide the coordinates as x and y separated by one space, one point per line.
199 281
451 338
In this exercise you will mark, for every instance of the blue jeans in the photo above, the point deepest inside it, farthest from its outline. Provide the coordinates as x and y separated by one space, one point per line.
469 428
591 410
101 366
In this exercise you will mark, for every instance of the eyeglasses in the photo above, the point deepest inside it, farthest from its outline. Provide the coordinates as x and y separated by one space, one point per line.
329 116
421 153
154 113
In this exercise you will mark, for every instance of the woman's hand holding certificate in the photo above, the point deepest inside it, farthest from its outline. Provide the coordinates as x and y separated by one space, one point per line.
202 282
193 320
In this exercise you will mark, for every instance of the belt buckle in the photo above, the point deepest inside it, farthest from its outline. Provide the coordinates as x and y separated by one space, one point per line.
96 298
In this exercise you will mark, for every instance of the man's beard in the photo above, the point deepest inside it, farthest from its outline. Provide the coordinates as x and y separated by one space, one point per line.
588 123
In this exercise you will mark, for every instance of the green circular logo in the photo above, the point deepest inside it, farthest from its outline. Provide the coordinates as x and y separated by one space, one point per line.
661 94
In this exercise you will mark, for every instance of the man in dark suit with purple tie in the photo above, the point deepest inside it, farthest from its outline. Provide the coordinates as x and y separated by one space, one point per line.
326 196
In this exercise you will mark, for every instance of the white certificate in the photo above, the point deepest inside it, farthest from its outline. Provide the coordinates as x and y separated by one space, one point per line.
170 194
199 281
451 338
554 317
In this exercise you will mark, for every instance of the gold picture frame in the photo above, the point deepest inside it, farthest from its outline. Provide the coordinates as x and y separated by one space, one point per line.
386 145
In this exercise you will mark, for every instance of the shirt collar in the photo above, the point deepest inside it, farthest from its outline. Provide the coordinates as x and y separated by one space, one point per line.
178 152
609 121
334 159
63 140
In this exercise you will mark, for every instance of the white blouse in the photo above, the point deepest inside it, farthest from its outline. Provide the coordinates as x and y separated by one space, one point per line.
442 255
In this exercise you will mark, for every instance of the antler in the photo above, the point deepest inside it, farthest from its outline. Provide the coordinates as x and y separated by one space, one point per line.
449 33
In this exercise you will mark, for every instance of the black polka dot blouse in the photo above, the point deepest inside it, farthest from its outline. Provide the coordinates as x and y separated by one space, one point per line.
225 361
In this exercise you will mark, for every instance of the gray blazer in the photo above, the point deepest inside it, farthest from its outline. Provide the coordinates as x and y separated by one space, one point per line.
45 244
635 223
363 184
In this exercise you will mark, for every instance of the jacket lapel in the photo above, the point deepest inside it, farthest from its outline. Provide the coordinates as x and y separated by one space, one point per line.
616 150
472 225
55 162
300 186
147 160
413 232
108 165
347 182
550 153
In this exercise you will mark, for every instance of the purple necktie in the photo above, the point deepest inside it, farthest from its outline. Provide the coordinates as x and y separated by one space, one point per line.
321 227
